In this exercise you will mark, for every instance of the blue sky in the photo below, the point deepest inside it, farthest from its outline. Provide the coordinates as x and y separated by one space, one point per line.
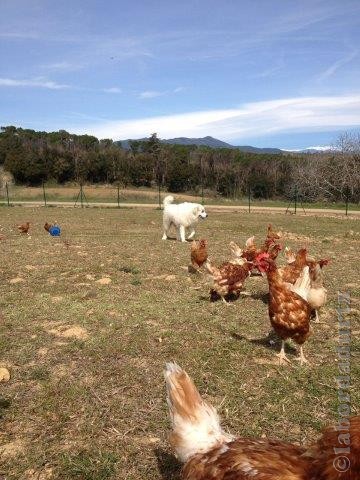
278 73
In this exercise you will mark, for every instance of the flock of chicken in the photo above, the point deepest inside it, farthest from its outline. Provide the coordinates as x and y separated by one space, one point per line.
296 293
25 227
296 290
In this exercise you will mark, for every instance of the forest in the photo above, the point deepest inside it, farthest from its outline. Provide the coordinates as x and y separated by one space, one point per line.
33 157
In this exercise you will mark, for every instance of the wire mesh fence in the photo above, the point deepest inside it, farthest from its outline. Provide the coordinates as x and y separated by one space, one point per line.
115 196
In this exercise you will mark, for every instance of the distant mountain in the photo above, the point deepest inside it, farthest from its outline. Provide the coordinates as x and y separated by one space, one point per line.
204 142
319 149
246 148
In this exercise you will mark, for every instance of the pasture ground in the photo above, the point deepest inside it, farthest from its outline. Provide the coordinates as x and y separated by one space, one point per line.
89 319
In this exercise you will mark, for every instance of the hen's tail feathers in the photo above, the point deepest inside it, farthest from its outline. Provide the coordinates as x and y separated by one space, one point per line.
195 424
236 251
289 255
167 200
303 284
210 268
250 242
323 262
317 276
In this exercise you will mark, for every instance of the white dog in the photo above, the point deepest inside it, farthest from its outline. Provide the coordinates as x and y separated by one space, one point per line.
181 216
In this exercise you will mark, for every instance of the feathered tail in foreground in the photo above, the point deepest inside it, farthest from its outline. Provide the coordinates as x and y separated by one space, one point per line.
195 424
211 454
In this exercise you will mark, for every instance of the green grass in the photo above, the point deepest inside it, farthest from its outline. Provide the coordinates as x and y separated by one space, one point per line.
86 398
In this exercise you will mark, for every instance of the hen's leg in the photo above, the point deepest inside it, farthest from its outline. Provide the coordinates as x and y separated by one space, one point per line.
317 320
301 358
281 355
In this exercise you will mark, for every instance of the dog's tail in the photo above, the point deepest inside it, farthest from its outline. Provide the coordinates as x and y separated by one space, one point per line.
167 200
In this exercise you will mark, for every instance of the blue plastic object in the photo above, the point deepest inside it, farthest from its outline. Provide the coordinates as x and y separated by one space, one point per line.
55 231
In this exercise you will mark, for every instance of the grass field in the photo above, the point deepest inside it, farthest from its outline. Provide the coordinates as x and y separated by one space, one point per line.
88 321
109 194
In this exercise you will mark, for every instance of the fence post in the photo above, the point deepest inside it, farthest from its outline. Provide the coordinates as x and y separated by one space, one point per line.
81 196
296 196
43 185
347 201
159 186
118 196
249 196
7 194
202 180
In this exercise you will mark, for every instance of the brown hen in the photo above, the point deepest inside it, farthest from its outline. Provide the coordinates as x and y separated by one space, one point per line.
289 310
228 278
198 253
209 453
24 227
47 226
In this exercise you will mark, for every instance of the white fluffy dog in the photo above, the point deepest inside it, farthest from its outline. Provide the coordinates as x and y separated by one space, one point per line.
182 216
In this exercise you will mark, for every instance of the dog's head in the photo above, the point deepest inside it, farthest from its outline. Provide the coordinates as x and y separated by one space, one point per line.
199 211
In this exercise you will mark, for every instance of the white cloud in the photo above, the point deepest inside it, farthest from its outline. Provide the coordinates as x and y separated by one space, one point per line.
156 93
37 83
248 120
336 65
178 89
151 94
112 90
19 35
63 66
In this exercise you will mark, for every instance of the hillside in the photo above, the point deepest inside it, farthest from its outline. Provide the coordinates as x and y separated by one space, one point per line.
203 142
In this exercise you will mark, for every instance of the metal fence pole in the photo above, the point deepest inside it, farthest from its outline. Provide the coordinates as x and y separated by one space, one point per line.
296 197
44 194
118 196
7 194
202 180
81 196
347 202
249 196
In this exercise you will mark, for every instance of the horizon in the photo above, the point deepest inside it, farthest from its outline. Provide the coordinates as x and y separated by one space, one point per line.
277 75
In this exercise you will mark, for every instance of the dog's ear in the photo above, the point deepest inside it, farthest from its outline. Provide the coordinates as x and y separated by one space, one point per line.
196 210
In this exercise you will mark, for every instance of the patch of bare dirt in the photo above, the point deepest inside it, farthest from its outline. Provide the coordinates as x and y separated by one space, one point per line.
104 281
4 374
12 449
16 280
70 332
296 237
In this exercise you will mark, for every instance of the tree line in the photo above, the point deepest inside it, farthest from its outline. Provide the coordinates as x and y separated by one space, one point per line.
34 157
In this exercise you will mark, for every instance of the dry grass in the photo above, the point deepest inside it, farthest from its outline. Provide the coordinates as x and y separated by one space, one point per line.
109 194
86 395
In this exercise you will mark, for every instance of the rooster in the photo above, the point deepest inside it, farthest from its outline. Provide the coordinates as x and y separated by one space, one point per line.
24 227
289 310
228 278
210 453
198 253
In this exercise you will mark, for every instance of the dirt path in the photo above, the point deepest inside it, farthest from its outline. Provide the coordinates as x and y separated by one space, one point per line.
211 208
